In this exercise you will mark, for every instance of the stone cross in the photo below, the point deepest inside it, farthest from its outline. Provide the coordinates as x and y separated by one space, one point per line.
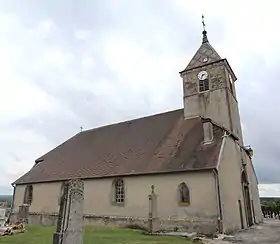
70 219
152 210
203 23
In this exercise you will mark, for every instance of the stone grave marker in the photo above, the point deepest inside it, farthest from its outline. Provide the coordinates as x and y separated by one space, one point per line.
70 219
2 213
23 213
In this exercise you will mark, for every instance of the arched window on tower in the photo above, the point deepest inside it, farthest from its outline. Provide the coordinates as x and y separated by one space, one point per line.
203 81
244 178
183 194
231 83
28 195
203 85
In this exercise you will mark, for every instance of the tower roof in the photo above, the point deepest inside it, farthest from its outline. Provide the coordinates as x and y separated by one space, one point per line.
205 54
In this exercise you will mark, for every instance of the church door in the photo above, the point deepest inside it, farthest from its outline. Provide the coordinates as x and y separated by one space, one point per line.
247 200
241 214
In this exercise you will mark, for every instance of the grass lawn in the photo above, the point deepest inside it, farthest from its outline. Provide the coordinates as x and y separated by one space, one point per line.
43 235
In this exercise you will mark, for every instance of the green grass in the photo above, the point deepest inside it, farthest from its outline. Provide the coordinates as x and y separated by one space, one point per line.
43 235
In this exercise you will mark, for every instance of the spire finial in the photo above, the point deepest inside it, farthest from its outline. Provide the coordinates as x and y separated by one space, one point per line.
203 23
204 32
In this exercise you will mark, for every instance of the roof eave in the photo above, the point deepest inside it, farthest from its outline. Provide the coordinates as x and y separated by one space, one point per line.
120 175
218 61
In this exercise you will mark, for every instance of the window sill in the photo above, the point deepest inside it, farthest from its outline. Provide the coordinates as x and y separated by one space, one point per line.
183 204
120 204
26 204
202 92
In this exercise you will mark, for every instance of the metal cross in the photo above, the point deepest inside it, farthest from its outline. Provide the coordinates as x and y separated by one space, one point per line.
203 23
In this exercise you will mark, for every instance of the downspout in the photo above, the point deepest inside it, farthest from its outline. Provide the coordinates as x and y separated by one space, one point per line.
13 199
217 185
218 195
12 204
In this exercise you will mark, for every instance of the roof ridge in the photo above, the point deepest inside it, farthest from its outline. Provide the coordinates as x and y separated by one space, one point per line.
131 120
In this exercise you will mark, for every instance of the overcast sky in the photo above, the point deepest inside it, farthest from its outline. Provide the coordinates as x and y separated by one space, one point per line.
69 63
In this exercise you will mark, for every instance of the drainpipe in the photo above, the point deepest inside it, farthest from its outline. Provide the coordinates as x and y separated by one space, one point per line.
12 203
13 198
219 202
217 185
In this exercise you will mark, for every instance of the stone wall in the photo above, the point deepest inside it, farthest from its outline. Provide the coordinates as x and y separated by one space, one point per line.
200 226
99 201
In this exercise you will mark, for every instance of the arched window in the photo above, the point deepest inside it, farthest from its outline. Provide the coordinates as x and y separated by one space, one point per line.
203 85
183 194
119 191
244 178
28 195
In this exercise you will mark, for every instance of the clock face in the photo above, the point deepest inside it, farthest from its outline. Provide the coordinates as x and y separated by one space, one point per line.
205 60
202 75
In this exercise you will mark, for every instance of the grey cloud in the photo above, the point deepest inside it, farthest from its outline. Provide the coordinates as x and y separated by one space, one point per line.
141 19
259 112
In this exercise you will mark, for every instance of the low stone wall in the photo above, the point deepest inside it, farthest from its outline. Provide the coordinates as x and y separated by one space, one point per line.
199 226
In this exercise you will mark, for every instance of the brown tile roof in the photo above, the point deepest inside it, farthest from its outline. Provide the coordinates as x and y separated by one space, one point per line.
155 144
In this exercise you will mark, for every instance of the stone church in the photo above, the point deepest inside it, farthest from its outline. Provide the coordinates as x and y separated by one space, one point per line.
193 158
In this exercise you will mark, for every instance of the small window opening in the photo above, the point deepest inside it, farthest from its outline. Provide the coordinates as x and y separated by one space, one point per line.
28 195
119 191
203 85
184 194
230 83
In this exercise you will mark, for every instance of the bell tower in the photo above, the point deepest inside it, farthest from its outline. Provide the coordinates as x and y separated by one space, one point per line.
209 89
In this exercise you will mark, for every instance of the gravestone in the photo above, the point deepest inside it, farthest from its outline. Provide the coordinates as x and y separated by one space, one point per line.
23 213
70 219
2 213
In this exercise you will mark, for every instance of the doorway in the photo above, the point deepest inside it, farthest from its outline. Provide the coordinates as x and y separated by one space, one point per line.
247 200
241 214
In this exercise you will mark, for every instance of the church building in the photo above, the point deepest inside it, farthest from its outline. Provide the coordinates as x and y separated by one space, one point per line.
192 159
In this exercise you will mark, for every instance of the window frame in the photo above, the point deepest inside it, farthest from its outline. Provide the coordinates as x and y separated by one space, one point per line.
28 195
118 193
202 83
180 199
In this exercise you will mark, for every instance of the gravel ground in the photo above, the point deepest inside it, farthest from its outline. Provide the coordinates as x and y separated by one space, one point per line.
265 233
